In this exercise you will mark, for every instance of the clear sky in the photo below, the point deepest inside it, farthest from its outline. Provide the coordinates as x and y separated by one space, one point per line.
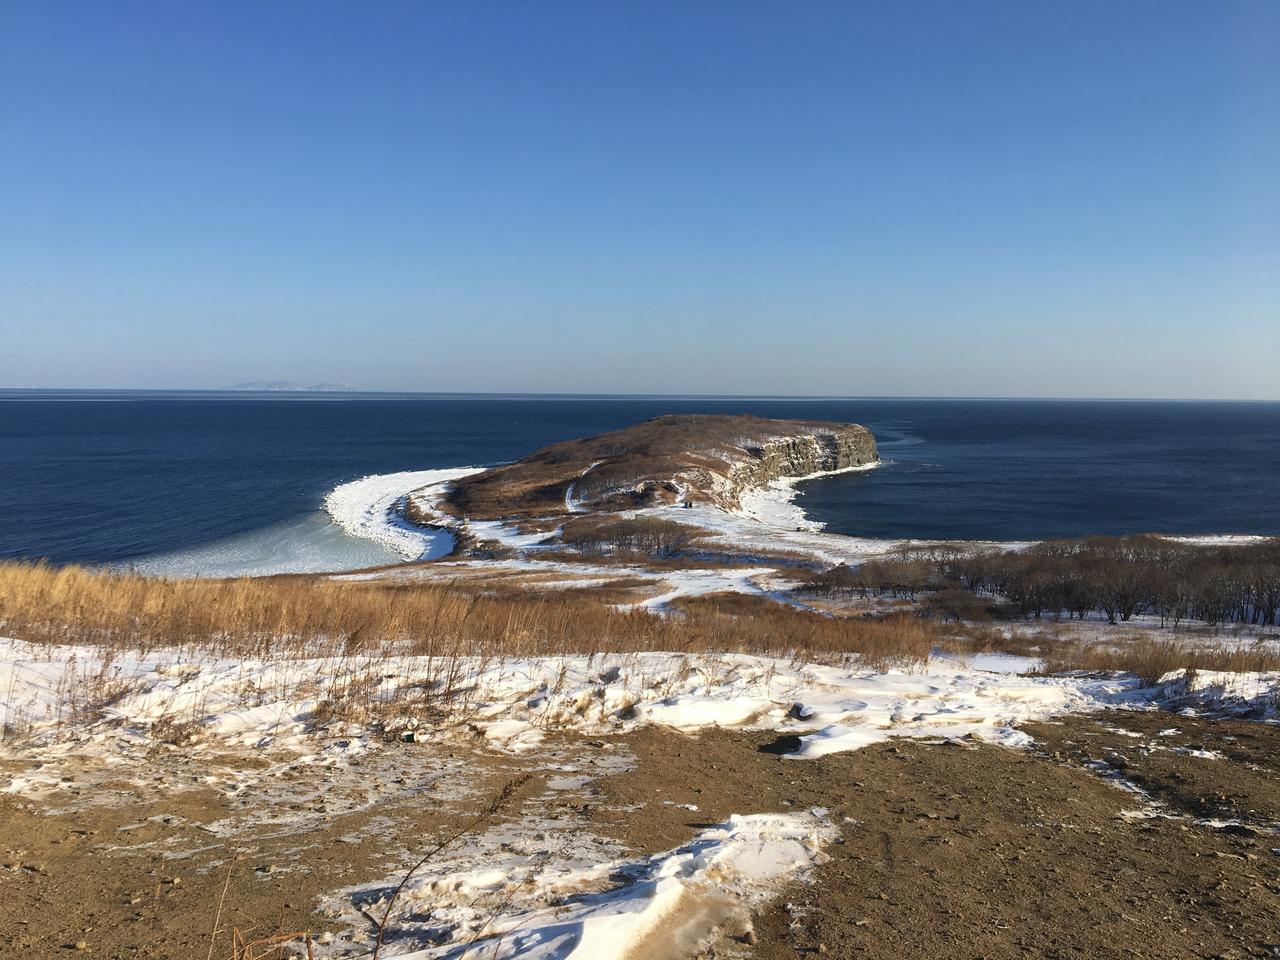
921 198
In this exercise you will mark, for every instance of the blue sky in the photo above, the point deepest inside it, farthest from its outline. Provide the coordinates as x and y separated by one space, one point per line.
899 198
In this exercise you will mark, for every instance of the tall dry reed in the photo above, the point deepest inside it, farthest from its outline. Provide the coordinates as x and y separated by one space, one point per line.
286 616
1151 659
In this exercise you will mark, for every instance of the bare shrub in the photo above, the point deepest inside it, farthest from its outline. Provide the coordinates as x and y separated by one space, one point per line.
959 606
643 536
1117 578
175 731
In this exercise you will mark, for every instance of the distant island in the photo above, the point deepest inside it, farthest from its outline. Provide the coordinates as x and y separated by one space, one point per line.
288 386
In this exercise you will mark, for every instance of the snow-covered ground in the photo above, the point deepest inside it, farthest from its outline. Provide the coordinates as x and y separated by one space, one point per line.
81 695
667 585
523 887
1219 539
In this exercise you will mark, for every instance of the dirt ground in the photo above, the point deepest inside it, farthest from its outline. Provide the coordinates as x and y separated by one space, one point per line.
945 850
985 852
141 873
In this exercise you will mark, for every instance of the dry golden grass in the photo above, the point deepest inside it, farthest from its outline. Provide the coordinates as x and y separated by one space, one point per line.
987 638
880 641
284 616
1150 659
1147 657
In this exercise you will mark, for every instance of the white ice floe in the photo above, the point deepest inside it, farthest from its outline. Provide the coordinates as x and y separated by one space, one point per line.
370 508
668 904
312 543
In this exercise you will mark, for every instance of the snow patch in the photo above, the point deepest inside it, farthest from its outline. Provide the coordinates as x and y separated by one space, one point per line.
1219 691
678 899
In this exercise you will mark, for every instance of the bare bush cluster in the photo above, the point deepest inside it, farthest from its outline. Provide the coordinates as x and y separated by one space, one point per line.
1115 577
642 536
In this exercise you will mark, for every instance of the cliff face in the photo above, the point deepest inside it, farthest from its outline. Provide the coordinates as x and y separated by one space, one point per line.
673 459
798 456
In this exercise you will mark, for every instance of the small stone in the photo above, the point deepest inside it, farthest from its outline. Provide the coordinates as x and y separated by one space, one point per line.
81 945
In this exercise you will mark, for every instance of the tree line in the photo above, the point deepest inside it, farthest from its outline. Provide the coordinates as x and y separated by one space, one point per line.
1116 577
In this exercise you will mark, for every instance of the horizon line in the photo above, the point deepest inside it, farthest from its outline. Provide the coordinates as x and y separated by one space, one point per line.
538 394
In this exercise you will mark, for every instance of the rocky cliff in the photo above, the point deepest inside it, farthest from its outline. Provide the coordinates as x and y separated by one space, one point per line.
838 447
673 459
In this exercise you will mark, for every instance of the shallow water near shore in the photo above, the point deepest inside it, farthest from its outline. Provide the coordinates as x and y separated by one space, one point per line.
228 483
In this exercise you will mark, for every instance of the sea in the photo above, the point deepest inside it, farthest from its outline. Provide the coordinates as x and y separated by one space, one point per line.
222 483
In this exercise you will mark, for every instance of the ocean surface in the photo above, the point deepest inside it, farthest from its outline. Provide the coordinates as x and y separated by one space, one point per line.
228 482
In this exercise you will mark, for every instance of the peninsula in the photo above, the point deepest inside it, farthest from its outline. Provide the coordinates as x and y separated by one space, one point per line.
683 458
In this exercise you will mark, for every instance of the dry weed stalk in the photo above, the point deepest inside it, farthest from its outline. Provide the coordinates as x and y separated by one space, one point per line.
499 801
242 949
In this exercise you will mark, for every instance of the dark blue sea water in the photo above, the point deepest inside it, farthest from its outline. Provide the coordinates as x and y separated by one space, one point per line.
110 477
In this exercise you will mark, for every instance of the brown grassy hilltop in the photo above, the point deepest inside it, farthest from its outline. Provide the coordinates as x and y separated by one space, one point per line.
695 457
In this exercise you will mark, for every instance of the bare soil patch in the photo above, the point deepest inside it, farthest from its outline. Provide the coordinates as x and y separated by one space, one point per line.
950 852
1203 768
126 871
